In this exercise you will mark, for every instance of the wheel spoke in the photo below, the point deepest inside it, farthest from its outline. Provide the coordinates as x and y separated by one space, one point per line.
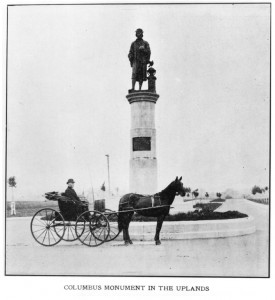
100 234
47 221
87 236
38 230
52 235
51 219
72 232
41 222
95 239
44 237
60 229
41 233
90 240
52 222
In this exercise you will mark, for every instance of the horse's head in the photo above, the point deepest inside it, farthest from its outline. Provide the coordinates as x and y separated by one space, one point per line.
178 185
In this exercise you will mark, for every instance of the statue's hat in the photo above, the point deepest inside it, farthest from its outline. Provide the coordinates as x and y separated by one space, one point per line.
139 29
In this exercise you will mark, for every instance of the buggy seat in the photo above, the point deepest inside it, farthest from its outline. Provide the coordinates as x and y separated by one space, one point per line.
69 208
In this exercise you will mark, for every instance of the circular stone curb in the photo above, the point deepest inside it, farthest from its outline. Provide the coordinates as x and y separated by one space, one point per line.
180 230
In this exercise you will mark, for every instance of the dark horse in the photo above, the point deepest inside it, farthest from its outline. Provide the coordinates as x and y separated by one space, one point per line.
148 206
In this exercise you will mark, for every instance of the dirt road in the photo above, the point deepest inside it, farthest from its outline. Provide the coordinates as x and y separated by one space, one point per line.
244 256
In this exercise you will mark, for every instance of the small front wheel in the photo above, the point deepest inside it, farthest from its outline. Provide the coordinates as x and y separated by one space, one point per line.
47 227
92 228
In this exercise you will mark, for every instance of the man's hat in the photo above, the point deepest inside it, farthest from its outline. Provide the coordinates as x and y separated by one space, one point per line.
70 181
139 29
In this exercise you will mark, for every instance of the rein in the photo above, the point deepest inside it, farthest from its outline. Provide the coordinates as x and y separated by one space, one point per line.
133 210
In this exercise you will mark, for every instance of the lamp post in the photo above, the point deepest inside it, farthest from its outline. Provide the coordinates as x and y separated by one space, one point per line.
108 166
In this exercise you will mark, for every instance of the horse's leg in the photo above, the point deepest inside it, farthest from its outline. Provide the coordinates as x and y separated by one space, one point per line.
124 222
125 236
159 225
128 239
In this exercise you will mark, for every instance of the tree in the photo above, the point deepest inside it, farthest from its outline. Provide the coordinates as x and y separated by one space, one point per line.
12 182
187 190
256 189
195 193
206 195
219 195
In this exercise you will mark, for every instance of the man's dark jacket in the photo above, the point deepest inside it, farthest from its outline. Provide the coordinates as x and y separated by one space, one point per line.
70 192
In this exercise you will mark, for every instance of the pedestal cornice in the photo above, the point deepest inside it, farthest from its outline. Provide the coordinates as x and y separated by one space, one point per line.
142 96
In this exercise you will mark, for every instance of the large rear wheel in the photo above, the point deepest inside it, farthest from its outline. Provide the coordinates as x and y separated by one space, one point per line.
47 227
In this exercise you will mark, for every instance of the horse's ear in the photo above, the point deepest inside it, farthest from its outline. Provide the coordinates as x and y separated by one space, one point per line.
180 178
177 178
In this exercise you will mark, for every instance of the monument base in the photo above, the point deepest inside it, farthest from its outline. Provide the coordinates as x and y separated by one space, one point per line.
143 176
143 159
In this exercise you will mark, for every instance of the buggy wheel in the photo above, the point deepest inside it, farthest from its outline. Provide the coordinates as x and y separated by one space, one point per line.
69 234
47 227
112 219
92 228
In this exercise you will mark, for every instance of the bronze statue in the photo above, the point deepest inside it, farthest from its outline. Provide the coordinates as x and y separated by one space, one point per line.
139 57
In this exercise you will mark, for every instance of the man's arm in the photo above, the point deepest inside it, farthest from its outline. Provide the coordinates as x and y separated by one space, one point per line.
131 54
148 52
76 197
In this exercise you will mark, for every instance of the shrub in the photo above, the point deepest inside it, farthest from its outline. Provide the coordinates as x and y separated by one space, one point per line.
218 200
256 189
207 206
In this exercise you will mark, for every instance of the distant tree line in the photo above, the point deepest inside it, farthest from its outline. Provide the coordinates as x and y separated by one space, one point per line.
257 189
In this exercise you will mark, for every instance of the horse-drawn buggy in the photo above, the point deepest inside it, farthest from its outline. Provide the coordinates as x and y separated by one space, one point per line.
73 221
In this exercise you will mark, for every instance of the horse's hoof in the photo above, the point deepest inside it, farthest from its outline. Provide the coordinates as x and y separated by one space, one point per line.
130 242
126 243
158 242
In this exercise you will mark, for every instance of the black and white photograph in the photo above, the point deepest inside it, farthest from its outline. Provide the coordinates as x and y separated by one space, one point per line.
138 141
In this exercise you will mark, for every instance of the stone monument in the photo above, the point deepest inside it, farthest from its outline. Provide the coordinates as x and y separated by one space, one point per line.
143 158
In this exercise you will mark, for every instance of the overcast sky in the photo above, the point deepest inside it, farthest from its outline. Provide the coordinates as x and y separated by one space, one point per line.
68 75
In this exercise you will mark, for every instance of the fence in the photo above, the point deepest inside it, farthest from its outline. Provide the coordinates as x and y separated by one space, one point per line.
262 200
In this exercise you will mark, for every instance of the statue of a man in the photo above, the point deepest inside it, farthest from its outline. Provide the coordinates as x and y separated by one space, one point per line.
139 57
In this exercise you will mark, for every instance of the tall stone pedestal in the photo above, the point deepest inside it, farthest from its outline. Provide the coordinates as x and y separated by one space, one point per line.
143 159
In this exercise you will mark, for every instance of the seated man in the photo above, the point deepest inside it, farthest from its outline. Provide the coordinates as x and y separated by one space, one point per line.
69 210
70 192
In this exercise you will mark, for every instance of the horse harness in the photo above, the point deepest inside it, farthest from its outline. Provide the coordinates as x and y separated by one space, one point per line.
152 200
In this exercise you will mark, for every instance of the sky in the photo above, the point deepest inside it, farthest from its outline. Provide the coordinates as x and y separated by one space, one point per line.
69 74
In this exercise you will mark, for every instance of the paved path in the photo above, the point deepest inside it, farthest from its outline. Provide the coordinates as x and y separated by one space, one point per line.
236 256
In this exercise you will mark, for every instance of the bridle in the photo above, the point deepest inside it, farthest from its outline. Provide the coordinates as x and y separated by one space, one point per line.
178 193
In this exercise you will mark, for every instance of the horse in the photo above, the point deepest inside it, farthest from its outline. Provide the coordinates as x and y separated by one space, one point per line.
157 205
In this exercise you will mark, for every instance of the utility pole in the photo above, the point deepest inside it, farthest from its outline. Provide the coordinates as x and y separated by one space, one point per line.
109 186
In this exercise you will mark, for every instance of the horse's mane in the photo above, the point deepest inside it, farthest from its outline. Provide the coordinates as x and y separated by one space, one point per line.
164 191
